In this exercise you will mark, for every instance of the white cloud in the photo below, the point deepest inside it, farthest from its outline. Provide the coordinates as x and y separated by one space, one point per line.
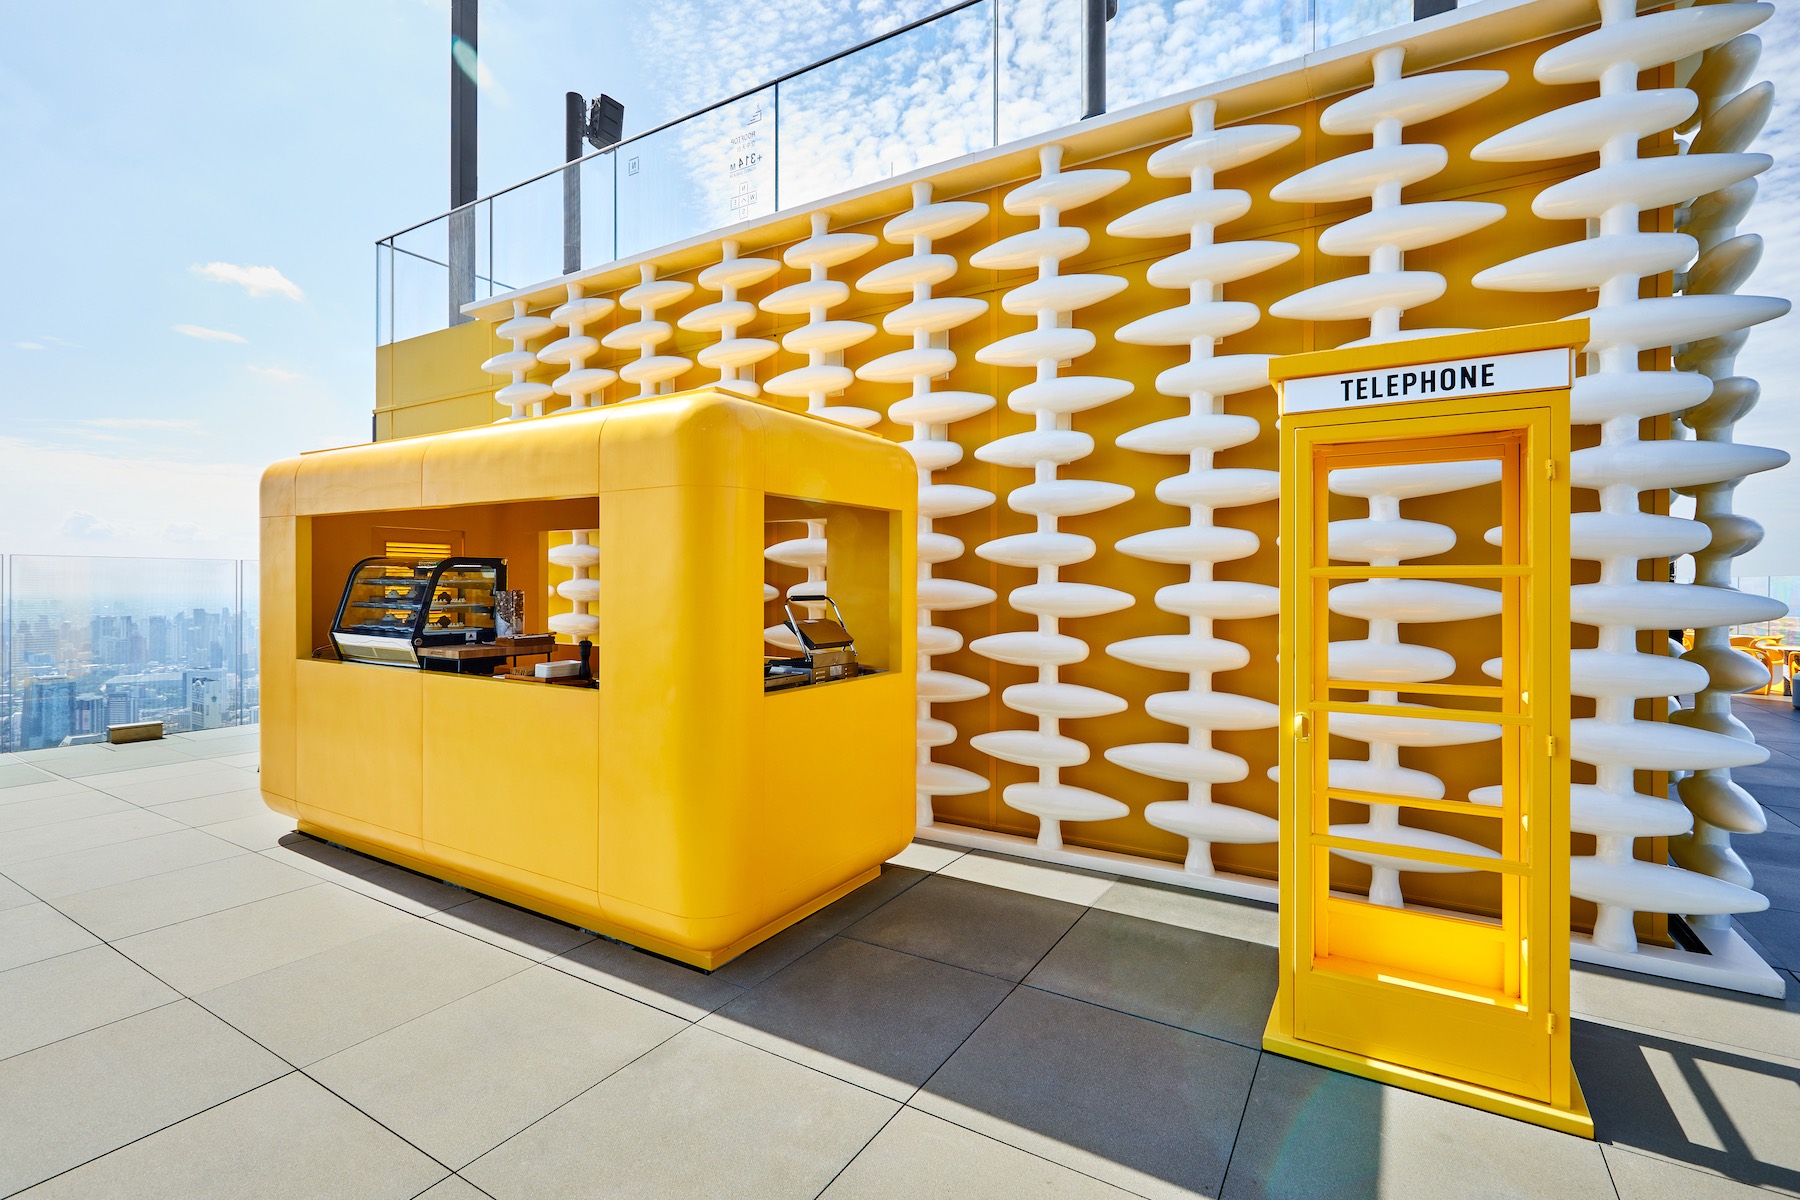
207 335
128 500
279 374
29 345
81 525
258 281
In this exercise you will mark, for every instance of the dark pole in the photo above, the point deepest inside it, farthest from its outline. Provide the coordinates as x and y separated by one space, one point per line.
574 126
1094 16
465 19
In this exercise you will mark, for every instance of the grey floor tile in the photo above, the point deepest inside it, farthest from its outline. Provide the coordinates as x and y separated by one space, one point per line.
927 856
699 1116
85 833
30 932
258 831
1199 981
207 780
73 1101
71 993
1242 920
243 762
48 786
17 774
287 1140
86 762
1758 1024
524 933
463 1078
220 749
1144 1106
323 859
1643 1177
28 814
866 1014
153 768
676 989
971 925
315 1006
1032 878
1311 1132
919 1155
1777 931
1725 1112
223 947
138 905
453 1187
405 890
12 895
210 810
100 866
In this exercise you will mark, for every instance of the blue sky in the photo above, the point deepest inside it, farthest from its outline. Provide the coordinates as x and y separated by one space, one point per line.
194 190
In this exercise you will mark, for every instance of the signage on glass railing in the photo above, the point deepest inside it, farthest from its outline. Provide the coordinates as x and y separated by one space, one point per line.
742 167
1487 375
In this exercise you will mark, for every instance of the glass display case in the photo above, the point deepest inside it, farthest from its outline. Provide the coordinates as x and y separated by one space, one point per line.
393 607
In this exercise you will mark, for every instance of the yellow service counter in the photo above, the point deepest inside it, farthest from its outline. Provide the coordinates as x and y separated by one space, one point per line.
676 805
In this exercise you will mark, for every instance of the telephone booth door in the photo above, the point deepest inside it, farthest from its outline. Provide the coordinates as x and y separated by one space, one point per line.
1424 771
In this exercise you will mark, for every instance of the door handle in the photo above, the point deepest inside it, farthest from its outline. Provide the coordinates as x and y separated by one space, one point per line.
1302 727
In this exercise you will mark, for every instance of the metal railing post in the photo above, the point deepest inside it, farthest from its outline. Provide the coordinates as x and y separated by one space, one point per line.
1094 15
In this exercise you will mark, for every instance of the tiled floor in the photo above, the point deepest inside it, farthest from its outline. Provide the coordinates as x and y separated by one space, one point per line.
196 1002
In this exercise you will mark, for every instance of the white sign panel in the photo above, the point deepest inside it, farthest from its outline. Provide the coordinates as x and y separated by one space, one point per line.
1530 371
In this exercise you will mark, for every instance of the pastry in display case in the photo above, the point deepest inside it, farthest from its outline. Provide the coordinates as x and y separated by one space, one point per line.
394 607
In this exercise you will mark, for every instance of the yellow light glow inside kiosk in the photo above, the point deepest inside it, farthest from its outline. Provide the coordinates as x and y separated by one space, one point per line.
676 802
1424 590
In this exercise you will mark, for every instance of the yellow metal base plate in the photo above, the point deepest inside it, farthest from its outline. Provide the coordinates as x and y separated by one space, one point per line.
1574 1119
706 960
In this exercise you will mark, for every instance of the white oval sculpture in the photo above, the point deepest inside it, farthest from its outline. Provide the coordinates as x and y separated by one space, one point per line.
1617 395
927 321
652 372
821 340
1203 270
1051 400
522 397
581 383
1391 227
731 356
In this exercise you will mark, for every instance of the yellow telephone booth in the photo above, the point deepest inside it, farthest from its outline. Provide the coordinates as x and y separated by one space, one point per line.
1424 635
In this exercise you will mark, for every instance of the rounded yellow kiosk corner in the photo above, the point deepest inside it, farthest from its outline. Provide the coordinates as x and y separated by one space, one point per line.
689 797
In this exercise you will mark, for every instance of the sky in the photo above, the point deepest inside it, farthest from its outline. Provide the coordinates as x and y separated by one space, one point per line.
192 191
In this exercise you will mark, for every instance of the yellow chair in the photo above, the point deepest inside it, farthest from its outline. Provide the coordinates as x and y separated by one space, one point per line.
1766 650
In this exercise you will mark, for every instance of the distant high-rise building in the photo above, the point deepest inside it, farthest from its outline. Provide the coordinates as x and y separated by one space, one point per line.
49 711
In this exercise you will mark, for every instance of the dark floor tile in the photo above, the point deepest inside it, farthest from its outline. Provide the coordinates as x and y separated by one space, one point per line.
1309 1132
1199 981
764 959
1144 1106
866 1014
972 925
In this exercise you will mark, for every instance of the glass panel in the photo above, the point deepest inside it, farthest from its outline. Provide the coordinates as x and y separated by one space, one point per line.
384 292
1338 21
1040 66
94 642
597 217
714 169
923 97
528 234
1158 47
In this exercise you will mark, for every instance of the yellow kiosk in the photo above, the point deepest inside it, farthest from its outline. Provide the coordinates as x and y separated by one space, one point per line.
675 799
1411 629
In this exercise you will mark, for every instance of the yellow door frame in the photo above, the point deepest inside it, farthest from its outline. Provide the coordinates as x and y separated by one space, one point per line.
1450 1004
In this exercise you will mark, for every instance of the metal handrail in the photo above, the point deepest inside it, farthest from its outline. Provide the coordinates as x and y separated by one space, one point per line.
698 112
